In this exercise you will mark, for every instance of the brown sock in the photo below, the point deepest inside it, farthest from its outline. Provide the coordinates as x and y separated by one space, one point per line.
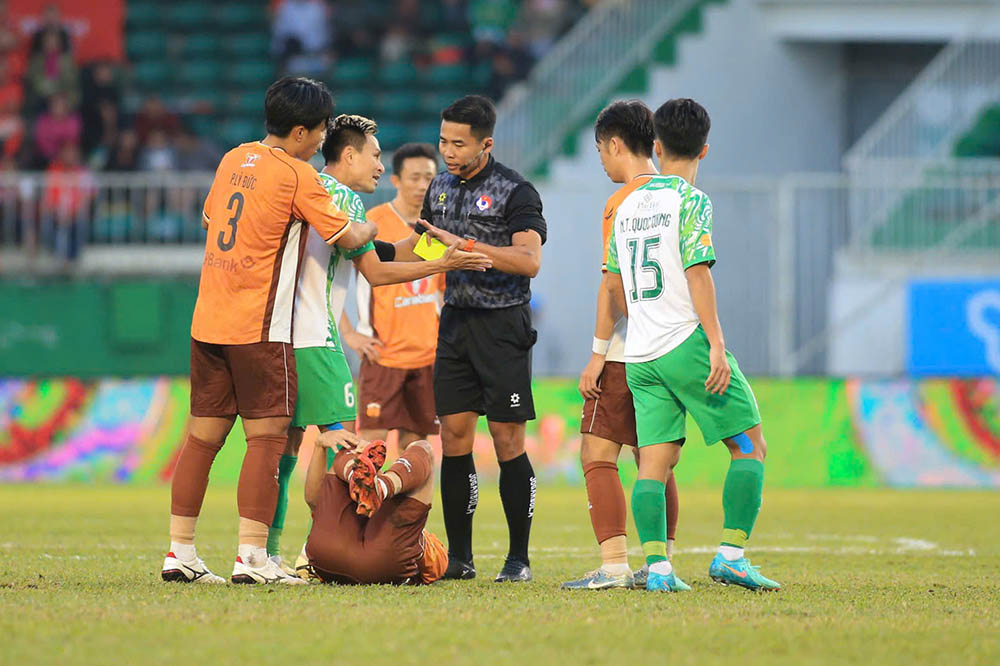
187 489
607 499
673 507
257 492
412 469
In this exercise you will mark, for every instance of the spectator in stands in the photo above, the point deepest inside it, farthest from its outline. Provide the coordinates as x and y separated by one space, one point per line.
69 189
11 124
300 33
125 152
50 27
11 51
397 45
154 115
195 153
56 128
51 71
99 108
511 63
491 19
157 154
542 21
453 16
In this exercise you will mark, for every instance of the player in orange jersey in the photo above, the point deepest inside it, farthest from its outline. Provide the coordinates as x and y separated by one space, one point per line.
263 201
397 328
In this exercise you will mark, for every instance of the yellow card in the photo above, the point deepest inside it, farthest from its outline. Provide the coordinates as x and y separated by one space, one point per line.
429 248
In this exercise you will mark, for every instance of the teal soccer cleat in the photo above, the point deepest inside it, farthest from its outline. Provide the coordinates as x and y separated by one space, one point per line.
600 580
740 572
670 583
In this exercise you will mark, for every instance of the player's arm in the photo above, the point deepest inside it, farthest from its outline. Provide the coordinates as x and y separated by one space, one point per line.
603 330
393 272
528 230
330 439
365 346
698 256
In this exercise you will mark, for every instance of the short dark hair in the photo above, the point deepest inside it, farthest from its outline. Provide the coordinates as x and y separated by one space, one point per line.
294 101
344 131
630 121
408 150
475 111
682 127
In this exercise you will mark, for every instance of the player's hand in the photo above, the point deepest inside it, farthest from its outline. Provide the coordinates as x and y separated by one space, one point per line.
445 237
365 346
372 230
719 374
589 377
337 439
458 260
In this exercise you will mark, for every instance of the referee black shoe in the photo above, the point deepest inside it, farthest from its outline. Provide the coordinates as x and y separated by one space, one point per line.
459 570
514 571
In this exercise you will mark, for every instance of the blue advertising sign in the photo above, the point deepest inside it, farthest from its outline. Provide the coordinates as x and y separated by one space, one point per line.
954 327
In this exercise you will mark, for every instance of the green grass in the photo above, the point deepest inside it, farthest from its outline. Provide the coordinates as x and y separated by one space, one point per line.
870 576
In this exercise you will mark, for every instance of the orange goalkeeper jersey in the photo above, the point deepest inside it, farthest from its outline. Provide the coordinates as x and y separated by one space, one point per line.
256 213
403 316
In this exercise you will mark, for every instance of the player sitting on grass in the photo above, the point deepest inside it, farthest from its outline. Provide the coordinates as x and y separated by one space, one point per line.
368 526
326 389
676 358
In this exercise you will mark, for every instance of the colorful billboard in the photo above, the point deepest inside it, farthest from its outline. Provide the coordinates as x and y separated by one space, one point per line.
820 433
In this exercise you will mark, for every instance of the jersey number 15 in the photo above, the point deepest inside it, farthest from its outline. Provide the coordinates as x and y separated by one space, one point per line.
650 264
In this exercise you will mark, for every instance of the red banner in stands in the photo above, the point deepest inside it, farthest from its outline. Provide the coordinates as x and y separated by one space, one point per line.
95 27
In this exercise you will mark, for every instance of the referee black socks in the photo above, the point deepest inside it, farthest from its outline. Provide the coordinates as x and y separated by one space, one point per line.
459 497
517 492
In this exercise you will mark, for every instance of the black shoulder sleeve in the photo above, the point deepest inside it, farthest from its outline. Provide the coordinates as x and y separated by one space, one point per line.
524 210
385 251
425 212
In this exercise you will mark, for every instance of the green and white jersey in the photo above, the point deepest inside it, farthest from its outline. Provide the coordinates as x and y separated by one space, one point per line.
660 230
325 276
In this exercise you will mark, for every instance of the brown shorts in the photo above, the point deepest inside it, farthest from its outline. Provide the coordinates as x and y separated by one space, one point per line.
393 398
612 415
255 381
349 549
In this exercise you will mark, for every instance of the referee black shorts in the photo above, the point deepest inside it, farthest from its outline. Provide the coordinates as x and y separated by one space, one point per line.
483 363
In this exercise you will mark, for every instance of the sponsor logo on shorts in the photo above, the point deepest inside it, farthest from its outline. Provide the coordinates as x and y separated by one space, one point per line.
373 410
515 399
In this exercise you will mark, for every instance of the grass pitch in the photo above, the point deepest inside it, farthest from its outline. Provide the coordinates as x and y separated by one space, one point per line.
870 576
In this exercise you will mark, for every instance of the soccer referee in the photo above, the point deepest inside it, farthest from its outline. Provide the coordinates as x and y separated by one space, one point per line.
483 361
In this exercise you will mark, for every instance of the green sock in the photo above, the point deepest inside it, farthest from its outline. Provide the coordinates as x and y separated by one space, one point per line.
330 455
649 508
285 468
741 500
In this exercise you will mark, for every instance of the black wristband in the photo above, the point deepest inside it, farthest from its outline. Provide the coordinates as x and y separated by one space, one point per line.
385 251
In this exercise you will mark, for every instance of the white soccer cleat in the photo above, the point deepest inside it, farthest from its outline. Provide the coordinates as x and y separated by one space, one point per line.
267 573
194 571
281 564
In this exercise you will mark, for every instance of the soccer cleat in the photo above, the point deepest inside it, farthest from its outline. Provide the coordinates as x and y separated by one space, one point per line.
364 486
195 571
303 569
514 571
375 451
657 582
268 572
459 570
740 572
281 564
600 580
639 577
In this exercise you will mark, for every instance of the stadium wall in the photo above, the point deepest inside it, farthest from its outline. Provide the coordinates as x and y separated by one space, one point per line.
821 433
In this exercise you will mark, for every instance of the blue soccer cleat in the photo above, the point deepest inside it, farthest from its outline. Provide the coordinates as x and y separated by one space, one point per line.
740 572
657 582
600 580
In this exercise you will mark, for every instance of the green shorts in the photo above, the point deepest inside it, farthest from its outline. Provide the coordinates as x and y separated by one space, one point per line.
326 388
665 389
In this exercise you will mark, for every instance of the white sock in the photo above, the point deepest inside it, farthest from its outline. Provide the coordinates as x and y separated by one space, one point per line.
663 567
252 556
183 551
616 569
731 553
670 549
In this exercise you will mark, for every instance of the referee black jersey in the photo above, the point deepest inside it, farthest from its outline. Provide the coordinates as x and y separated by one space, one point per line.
491 207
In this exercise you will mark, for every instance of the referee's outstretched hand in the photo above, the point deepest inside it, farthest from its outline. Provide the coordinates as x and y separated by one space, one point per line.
458 260
445 237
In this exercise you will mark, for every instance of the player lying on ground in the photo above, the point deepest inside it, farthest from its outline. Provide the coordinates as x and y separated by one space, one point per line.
624 135
241 357
326 389
368 526
676 358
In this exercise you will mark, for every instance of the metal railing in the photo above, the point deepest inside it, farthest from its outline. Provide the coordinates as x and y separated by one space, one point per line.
578 74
